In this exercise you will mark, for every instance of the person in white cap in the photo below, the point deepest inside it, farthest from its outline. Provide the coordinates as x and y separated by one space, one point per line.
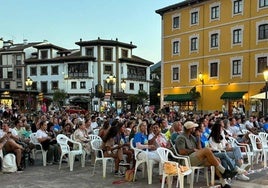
187 144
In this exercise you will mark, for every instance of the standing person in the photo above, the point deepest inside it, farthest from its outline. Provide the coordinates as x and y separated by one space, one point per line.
187 144
49 143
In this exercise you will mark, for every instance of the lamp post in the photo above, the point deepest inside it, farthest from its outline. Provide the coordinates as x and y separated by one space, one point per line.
201 78
28 83
265 75
111 80
123 86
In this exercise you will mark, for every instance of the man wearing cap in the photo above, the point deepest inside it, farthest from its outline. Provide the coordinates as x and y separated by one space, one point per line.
187 144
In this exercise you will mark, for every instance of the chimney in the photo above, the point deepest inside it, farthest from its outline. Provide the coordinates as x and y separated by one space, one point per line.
7 44
1 42
25 41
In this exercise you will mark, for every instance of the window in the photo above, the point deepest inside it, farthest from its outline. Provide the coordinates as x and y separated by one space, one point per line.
194 18
44 54
6 85
237 6
137 73
34 86
19 73
54 85
263 31
215 12
124 53
43 70
214 69
19 84
131 86
176 22
44 87
214 40
78 70
263 3
82 85
237 36
236 67
89 51
262 64
18 60
194 44
108 54
193 71
108 69
1 73
9 74
33 71
141 87
54 70
175 73
73 85
175 47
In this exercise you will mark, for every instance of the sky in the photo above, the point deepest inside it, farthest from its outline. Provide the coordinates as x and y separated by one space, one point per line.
64 22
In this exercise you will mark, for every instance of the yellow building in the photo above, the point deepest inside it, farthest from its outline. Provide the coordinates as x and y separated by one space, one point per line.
219 48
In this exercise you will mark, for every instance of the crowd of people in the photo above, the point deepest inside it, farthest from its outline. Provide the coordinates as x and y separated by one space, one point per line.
204 138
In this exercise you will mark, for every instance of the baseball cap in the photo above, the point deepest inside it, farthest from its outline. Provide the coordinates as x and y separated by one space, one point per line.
190 124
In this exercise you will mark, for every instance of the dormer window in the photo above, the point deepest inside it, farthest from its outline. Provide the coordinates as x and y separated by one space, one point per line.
44 54
124 53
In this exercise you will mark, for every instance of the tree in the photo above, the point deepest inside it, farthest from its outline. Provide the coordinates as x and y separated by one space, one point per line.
195 96
59 97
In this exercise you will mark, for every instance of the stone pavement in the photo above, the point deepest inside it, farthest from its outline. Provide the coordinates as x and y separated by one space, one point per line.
38 176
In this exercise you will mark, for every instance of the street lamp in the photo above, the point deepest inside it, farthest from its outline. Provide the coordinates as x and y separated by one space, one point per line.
29 83
123 86
265 75
111 80
201 78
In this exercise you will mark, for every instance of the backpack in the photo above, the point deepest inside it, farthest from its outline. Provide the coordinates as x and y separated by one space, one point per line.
9 163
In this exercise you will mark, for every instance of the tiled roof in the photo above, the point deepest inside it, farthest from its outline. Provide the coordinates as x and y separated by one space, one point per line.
73 57
49 45
19 47
136 59
105 43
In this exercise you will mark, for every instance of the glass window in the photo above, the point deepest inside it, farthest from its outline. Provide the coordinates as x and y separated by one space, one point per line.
138 73
19 73
193 71
10 74
82 85
108 69
176 22
214 40
141 87
214 69
236 66
263 31
44 54
124 53
262 64
215 12
73 85
33 71
237 36
89 52
263 3
19 84
194 44
54 85
43 70
18 60
194 17
131 86
175 73
238 6
108 54
54 70
78 70
44 87
175 47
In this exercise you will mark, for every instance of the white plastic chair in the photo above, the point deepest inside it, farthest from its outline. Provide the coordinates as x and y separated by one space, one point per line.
254 140
96 146
143 162
38 148
264 140
63 140
198 168
96 131
164 153
245 150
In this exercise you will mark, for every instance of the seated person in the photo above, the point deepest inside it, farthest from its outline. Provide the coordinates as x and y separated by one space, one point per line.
177 126
48 142
81 135
187 144
9 137
157 138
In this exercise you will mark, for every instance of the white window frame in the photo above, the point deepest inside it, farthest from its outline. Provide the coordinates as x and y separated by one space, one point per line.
209 66
197 43
219 41
241 66
233 7
261 8
174 16
172 44
241 27
189 67
198 16
257 31
172 67
215 4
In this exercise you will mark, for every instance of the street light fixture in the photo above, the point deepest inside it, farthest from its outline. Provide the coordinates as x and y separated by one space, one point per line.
123 86
111 80
29 83
265 75
201 78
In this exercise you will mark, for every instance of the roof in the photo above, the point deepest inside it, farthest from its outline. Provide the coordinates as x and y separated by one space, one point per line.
69 58
105 43
155 66
49 45
19 47
136 59
178 6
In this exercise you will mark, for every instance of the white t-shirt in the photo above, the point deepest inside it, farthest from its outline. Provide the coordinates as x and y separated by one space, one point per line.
41 134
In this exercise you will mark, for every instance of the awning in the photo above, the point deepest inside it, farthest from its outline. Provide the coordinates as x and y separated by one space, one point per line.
258 96
178 97
233 95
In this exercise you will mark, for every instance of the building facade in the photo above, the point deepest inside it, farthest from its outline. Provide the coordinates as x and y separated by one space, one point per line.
216 48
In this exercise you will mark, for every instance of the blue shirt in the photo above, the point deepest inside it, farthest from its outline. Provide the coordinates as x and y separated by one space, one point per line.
140 137
265 127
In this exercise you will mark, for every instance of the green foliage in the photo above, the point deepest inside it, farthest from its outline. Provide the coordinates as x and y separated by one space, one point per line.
59 96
